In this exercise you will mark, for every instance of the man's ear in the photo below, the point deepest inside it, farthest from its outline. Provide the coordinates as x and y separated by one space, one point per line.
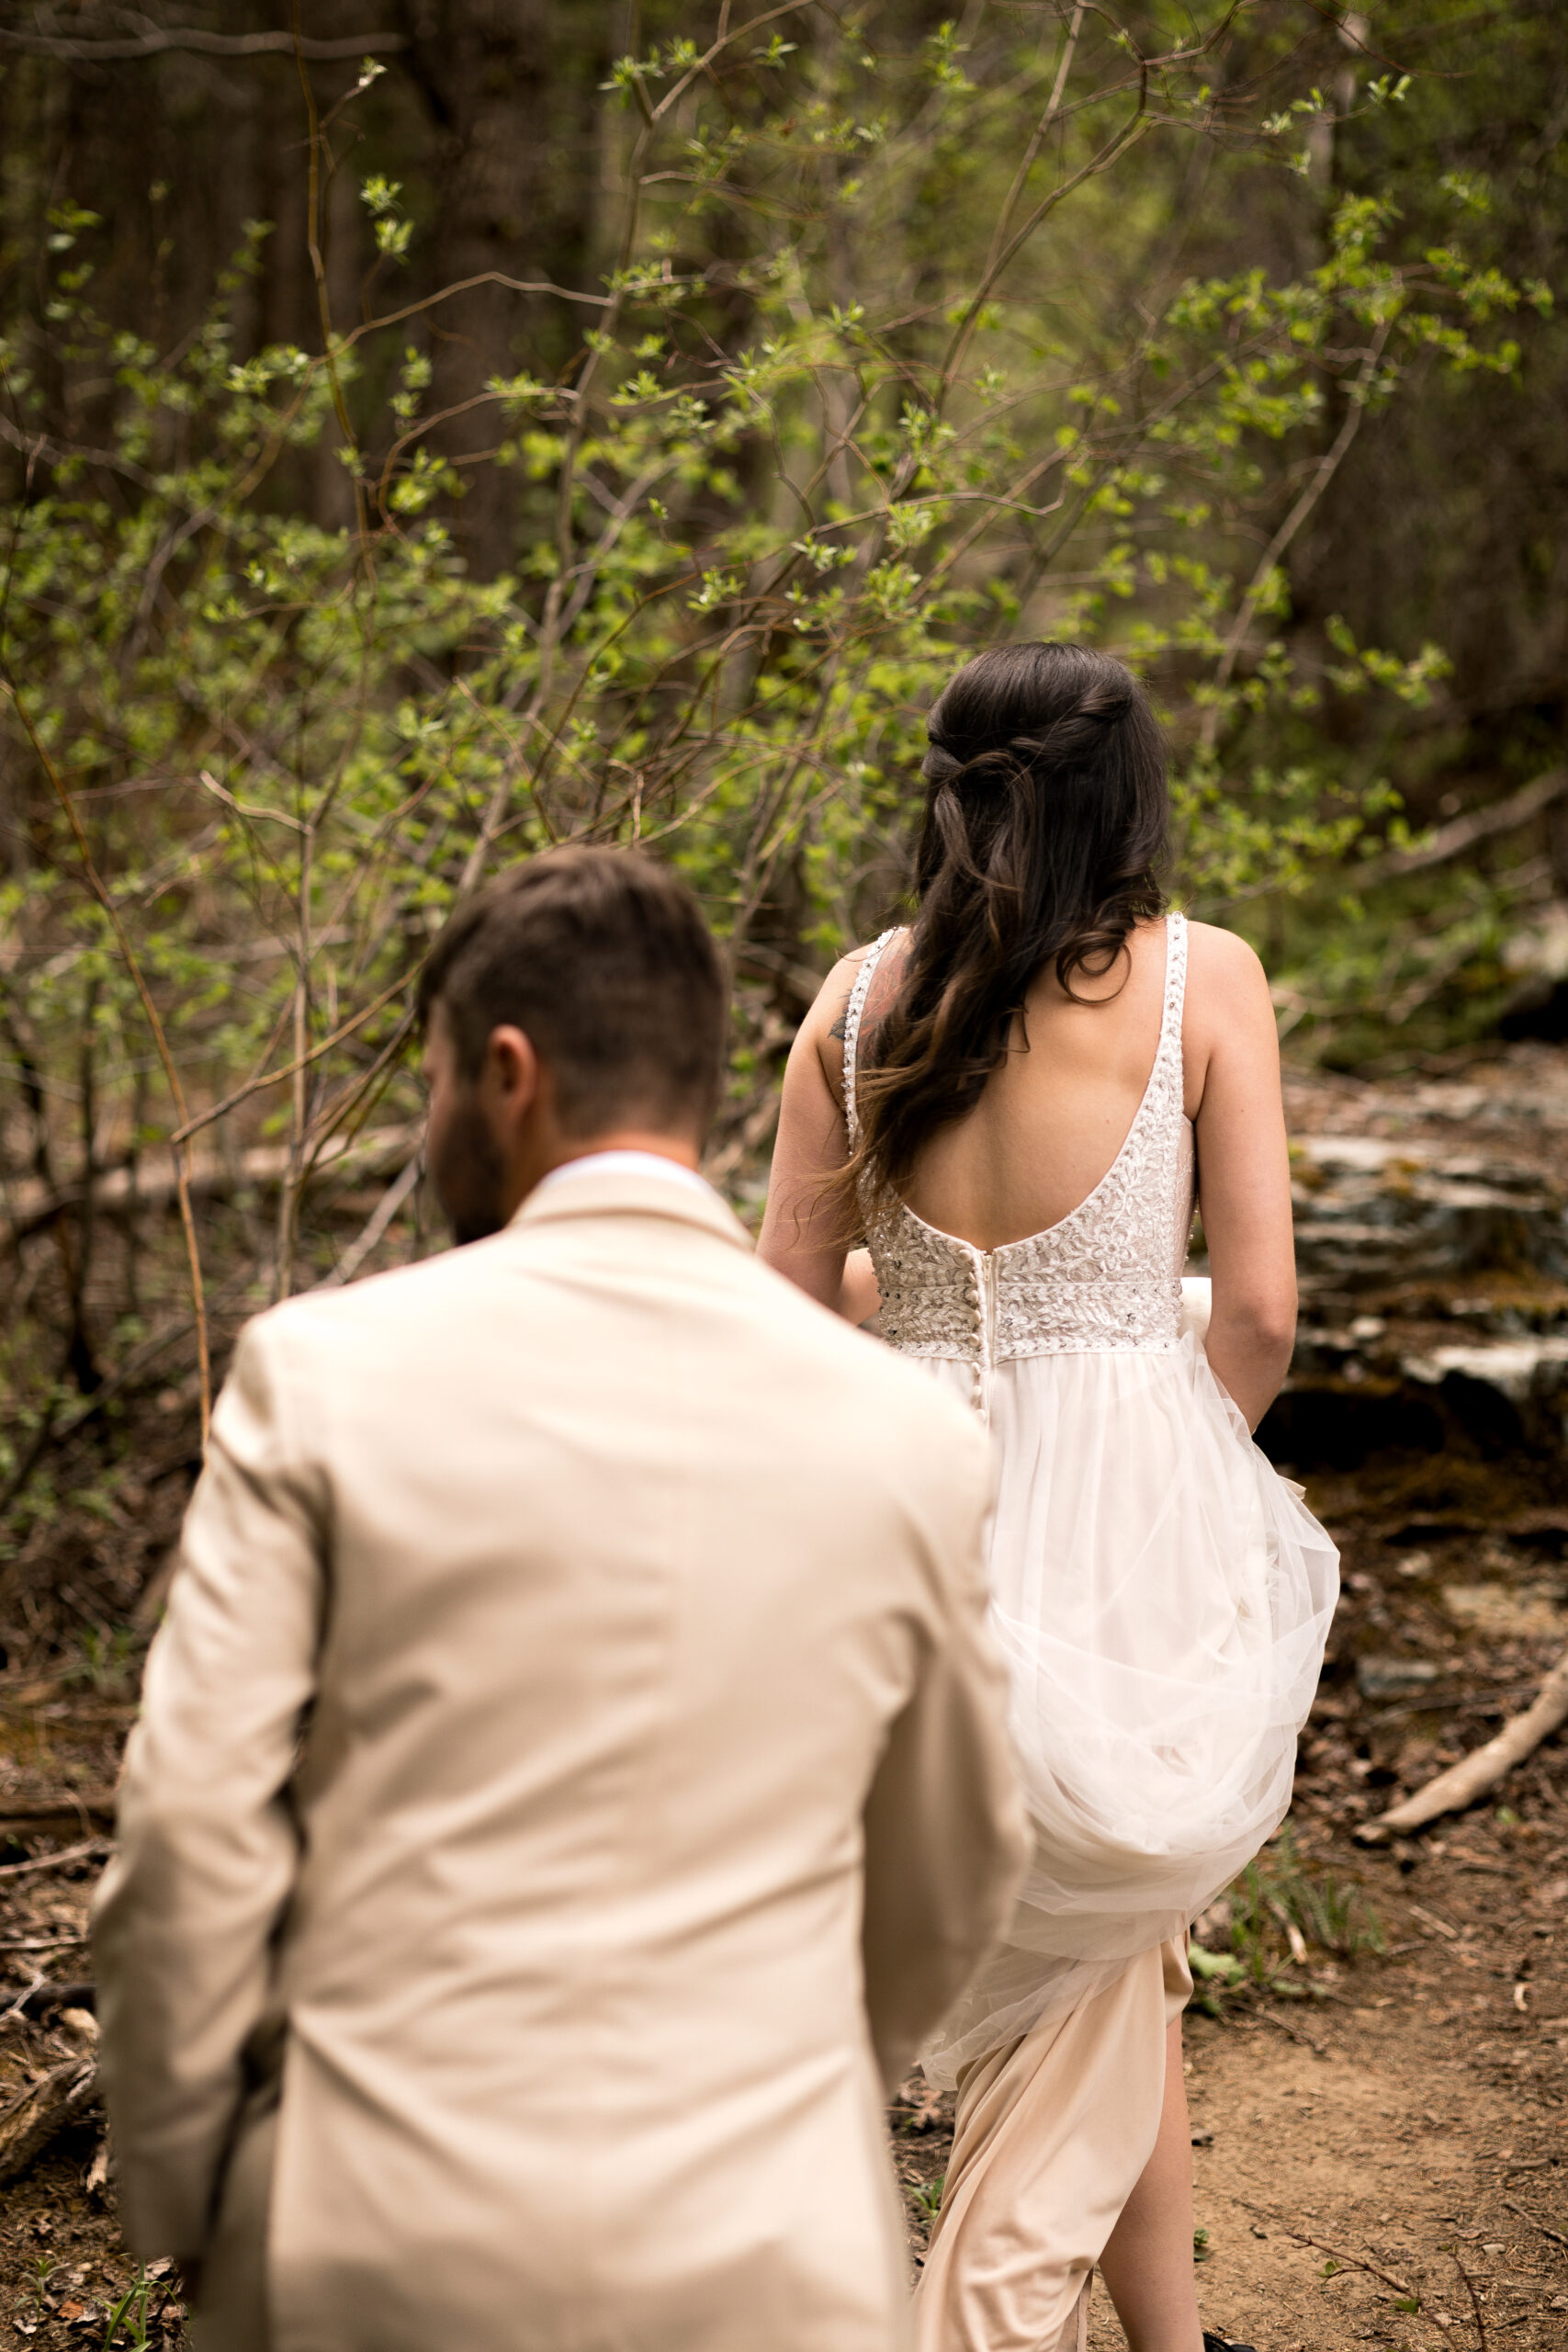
511 1075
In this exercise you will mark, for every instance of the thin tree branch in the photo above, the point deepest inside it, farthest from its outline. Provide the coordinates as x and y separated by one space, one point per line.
1454 839
1323 473
276 1076
187 36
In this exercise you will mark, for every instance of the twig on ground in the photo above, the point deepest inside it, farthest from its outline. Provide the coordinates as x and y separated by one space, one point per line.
1474 2297
1476 1773
18 2008
42 2112
1352 2261
1304 2040
38 1863
1556 2235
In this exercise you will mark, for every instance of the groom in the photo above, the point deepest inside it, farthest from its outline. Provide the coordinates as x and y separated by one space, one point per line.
570 1779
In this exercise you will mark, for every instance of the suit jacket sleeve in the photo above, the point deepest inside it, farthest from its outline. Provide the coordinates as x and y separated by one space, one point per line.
945 1827
186 1917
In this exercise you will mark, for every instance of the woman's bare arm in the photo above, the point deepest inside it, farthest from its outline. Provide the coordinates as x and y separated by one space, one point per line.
805 1232
1232 1050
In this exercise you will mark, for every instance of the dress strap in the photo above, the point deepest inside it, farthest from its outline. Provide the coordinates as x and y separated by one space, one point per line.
1175 983
852 1014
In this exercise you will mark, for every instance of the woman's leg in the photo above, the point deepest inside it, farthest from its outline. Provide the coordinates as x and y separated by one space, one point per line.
1147 2261
1052 2134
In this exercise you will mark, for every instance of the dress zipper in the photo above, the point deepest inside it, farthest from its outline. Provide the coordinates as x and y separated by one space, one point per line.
988 1330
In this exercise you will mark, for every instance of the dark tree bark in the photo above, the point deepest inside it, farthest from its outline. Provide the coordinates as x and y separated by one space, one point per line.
511 90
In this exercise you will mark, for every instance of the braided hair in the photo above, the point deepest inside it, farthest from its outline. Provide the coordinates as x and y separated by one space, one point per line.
1046 818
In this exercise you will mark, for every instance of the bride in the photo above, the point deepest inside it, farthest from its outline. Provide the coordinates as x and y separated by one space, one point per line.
1016 1099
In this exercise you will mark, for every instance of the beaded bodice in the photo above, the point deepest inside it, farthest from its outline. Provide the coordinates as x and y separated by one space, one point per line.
1109 1275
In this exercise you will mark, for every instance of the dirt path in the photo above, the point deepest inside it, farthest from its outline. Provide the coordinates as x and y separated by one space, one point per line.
1363 2151
1405 2165
1421 2143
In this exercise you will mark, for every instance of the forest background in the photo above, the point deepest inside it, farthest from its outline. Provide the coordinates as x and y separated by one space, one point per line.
429 429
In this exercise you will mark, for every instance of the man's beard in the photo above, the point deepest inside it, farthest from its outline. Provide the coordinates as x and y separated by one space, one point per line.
470 1175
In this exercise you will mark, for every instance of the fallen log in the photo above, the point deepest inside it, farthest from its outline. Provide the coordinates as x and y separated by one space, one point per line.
50 1816
121 1191
47 2000
1462 834
32 2123
1475 1774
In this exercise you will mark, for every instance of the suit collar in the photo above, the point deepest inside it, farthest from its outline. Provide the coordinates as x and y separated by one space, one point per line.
627 1193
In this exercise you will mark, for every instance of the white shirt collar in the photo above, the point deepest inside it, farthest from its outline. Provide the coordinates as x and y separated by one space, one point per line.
626 1163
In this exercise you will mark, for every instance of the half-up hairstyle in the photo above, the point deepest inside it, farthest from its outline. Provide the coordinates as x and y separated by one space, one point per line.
1046 819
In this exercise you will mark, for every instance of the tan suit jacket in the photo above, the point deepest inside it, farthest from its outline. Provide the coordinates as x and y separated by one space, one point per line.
576 1666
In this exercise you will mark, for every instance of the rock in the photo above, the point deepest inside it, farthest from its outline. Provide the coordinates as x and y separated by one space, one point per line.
1370 1210
1531 1613
1508 1391
1395 1678
1519 1370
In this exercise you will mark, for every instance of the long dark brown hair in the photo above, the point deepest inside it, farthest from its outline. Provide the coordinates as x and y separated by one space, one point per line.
1046 818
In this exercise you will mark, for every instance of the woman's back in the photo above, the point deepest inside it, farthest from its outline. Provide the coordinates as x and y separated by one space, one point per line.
1051 1121
1056 1115
1105 1274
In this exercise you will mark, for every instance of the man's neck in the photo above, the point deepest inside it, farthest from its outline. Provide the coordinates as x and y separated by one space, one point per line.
679 1152
680 1149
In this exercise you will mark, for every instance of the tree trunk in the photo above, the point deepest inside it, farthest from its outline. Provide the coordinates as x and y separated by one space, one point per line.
512 87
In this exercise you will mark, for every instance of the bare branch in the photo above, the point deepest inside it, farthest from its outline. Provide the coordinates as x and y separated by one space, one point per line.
1462 834
1323 473
187 36
1481 1771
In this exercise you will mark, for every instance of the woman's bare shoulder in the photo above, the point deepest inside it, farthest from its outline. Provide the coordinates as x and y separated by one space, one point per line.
1229 1008
829 1013
832 1001
1219 959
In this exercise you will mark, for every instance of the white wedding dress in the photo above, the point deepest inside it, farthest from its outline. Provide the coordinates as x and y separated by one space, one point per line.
1163 1596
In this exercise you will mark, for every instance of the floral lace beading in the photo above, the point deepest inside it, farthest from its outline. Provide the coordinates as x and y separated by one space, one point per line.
1109 1275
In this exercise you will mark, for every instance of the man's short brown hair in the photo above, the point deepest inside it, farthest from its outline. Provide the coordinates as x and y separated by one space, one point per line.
604 959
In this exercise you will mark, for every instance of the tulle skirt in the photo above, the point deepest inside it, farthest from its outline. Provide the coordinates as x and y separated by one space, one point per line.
1163 1598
